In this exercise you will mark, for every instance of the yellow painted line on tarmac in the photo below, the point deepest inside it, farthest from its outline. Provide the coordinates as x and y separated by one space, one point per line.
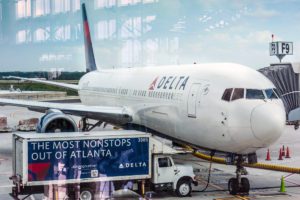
234 198
243 198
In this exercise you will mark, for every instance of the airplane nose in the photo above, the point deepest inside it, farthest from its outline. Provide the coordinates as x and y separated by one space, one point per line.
268 122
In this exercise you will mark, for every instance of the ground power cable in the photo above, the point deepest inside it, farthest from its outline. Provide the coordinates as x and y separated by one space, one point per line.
212 153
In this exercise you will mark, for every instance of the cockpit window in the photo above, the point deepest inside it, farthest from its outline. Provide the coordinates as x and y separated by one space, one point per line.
227 94
238 94
254 94
271 94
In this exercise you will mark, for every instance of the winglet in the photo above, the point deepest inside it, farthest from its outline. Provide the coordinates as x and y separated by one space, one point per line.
89 53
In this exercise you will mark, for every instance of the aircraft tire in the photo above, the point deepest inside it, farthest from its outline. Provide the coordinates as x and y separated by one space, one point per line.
245 185
233 186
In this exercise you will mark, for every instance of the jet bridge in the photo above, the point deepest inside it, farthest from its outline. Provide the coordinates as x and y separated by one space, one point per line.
285 76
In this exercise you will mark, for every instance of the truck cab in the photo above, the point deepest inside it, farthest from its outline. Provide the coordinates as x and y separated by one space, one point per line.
167 175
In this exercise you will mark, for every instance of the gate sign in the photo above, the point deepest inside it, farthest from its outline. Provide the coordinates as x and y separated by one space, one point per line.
281 48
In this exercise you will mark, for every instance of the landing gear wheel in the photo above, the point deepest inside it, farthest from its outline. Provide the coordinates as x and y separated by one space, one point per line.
184 188
245 186
86 194
239 185
233 186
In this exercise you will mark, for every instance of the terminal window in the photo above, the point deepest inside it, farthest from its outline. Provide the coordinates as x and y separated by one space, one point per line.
1 36
105 29
128 2
61 6
0 11
23 36
75 5
41 7
23 8
131 27
105 3
63 32
41 34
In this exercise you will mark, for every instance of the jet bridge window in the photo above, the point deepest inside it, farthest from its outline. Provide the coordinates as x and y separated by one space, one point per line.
238 94
164 162
227 94
254 94
271 94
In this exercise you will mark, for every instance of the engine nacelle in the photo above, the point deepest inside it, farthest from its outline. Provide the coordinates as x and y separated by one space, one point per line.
56 121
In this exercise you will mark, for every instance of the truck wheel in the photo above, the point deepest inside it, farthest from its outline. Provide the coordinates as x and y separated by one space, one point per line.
152 187
86 194
184 188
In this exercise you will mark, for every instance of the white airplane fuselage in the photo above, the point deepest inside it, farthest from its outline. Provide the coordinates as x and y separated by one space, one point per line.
185 103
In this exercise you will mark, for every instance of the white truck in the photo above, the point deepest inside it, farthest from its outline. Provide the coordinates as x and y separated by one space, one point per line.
89 158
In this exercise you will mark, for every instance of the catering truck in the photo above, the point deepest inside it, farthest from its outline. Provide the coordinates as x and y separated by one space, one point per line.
87 158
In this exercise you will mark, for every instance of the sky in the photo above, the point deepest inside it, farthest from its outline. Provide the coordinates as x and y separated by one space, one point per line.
137 33
248 29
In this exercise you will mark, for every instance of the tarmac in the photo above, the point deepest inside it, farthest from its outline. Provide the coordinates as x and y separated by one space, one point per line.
264 184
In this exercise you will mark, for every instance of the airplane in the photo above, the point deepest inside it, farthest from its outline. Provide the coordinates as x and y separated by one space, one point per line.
223 107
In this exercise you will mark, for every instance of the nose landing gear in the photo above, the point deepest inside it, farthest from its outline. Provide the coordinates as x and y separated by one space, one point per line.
239 185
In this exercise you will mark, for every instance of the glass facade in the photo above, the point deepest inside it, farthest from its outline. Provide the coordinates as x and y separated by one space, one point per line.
1 22
119 27
134 33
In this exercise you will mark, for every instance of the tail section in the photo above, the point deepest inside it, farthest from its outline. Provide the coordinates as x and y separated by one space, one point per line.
89 53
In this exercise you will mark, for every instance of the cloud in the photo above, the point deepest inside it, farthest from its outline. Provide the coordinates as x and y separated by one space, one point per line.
245 46
261 37
261 12
221 37
254 37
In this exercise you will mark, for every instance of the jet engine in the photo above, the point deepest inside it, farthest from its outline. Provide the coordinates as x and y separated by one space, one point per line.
56 121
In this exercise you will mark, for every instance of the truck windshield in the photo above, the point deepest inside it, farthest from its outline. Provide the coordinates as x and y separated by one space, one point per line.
254 94
164 162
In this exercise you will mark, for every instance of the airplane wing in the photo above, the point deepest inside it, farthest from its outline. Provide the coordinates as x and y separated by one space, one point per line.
53 83
114 115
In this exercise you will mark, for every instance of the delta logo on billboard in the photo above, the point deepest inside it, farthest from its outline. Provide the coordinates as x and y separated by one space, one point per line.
169 83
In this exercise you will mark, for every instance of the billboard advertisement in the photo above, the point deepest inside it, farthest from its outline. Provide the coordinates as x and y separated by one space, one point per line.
88 158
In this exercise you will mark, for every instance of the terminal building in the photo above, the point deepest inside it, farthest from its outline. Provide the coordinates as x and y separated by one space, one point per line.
125 33
53 31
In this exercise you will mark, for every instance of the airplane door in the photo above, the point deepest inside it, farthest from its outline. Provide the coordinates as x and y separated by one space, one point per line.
192 100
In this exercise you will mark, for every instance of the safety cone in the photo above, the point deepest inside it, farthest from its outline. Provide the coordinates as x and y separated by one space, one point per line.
280 155
268 158
287 153
283 151
282 185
